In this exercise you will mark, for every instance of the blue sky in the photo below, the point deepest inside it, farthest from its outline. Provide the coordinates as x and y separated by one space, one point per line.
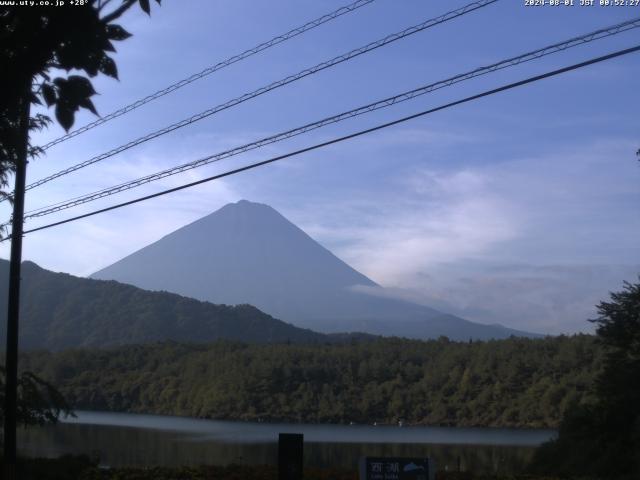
520 208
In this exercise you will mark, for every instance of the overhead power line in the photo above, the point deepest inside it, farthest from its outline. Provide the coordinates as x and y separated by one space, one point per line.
380 104
272 86
212 69
503 88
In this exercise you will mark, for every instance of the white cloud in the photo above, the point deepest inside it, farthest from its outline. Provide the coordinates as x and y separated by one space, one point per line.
548 299
450 237
439 217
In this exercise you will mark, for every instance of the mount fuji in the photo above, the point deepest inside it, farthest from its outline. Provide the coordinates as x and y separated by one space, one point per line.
248 253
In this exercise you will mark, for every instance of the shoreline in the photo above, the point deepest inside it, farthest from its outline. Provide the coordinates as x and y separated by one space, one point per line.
268 422
243 432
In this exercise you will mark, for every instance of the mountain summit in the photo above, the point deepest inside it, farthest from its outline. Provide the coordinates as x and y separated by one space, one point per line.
249 253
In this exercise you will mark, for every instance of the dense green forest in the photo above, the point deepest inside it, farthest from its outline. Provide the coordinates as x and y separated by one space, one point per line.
507 383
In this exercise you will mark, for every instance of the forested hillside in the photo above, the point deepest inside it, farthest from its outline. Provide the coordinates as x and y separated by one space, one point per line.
514 382
61 311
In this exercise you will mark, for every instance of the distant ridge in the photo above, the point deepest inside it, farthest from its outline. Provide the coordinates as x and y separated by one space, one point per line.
248 253
60 311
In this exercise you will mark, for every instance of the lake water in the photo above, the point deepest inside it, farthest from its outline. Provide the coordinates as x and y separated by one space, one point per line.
121 439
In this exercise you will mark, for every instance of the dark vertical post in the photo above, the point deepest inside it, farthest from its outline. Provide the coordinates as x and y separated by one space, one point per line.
290 456
11 385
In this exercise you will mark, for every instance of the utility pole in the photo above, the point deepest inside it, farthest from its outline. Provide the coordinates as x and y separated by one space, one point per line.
11 384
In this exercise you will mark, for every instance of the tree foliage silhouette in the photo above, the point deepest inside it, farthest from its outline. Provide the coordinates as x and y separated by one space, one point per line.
47 55
603 438
42 50
39 402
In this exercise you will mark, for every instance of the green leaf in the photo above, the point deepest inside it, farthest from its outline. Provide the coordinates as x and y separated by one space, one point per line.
116 32
72 93
65 115
39 122
92 64
108 67
79 86
49 94
35 100
144 5
88 104
108 46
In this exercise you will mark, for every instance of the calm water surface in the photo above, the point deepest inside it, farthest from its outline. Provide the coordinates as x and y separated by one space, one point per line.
120 439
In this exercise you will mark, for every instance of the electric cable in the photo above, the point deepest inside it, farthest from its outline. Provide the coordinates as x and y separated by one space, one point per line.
272 86
212 69
486 93
380 104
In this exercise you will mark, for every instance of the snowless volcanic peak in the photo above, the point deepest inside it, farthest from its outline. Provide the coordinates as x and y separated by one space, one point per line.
247 252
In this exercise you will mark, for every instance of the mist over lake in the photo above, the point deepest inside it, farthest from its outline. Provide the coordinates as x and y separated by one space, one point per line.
146 440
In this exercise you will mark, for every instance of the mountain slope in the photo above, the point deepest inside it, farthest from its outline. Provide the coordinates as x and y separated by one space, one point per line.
62 311
248 253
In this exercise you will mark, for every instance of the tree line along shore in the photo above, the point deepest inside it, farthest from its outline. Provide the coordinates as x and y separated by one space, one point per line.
518 382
